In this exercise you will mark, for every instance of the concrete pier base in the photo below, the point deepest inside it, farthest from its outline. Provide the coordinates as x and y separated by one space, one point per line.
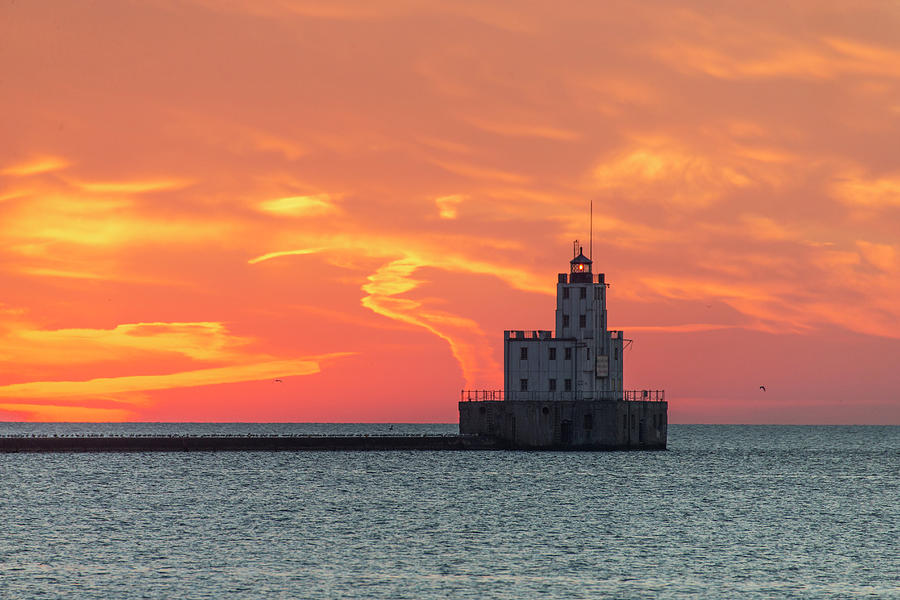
568 425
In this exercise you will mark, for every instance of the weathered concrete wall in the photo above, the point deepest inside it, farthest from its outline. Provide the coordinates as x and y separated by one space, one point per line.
568 424
245 443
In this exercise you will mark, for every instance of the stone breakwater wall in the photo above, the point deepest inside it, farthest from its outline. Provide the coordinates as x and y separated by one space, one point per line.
244 443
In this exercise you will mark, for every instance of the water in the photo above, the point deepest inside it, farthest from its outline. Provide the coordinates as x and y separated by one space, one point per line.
727 512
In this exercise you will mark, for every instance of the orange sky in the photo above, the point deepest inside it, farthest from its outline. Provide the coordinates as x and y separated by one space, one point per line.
359 197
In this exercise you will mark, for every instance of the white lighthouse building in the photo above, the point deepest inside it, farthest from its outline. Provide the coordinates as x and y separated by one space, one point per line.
582 359
563 389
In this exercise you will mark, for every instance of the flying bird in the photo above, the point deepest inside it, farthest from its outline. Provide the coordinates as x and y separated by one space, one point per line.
762 387
278 381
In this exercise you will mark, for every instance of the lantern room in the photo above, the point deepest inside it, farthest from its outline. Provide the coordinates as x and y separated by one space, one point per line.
580 268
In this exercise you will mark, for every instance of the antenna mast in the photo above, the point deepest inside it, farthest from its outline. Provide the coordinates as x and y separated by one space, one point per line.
591 251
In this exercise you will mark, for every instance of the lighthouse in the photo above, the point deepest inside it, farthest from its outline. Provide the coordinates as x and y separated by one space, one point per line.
581 359
564 388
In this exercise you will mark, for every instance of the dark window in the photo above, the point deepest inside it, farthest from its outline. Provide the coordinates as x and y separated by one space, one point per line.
568 354
568 385
552 353
582 320
588 421
523 353
588 353
565 293
552 385
596 293
583 293
565 320
616 353
523 385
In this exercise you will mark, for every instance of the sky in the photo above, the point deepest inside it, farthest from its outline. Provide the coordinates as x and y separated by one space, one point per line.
358 197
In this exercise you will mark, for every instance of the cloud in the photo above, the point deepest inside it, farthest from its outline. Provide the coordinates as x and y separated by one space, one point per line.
468 343
271 255
300 206
69 217
132 187
480 172
854 188
663 172
731 48
69 274
35 166
384 289
880 256
140 383
523 130
865 57
202 341
448 205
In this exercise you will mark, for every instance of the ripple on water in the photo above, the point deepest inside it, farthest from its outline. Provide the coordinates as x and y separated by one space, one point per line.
738 512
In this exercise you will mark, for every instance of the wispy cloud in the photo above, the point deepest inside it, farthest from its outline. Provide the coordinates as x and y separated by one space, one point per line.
480 172
300 206
663 172
35 166
132 187
855 188
279 254
449 205
467 341
141 383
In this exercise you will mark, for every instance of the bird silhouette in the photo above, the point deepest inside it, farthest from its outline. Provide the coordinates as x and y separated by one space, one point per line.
762 387
278 381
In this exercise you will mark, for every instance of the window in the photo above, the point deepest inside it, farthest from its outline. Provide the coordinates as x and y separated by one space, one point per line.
552 385
588 354
583 293
568 385
565 320
568 354
523 385
582 320
565 293
589 421
616 353
552 353
523 353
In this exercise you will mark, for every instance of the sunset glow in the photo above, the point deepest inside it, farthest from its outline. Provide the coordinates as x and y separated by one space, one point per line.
357 198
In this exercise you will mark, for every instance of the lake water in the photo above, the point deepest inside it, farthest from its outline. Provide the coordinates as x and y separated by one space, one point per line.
726 512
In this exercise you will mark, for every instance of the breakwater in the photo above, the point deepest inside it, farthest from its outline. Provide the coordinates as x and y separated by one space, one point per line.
250 443
285 443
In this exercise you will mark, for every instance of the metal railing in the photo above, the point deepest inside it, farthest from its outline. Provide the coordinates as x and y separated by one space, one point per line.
619 395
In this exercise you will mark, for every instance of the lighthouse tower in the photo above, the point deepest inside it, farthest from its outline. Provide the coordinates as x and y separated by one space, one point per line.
582 360
563 389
